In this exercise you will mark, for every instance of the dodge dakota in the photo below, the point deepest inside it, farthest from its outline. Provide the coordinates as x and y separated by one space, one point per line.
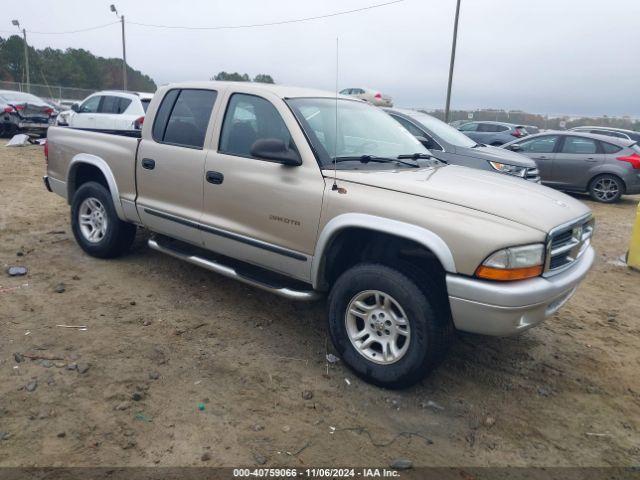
304 193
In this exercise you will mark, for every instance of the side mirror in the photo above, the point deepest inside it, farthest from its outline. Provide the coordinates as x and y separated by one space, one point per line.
275 150
75 107
514 148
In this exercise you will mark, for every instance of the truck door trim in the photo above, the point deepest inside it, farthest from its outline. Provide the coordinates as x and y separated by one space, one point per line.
230 235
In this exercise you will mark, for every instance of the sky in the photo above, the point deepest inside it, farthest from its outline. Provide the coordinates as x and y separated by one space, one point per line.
577 57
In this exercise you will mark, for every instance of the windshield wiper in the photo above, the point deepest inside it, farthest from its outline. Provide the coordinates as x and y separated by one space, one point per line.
371 158
426 156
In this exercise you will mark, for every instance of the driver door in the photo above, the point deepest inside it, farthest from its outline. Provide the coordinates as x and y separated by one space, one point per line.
255 210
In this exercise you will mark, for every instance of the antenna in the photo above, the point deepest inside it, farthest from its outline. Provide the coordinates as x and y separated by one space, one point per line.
335 137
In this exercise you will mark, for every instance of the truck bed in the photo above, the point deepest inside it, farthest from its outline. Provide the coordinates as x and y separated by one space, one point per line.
118 151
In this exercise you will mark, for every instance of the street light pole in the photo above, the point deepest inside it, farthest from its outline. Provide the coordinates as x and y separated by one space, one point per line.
26 53
124 49
453 59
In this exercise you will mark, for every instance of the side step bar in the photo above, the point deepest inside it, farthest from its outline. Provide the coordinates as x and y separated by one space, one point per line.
227 271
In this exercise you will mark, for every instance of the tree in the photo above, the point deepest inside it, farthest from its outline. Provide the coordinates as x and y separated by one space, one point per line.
232 77
263 78
70 68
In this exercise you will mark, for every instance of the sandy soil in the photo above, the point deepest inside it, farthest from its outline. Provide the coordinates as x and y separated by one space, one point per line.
184 367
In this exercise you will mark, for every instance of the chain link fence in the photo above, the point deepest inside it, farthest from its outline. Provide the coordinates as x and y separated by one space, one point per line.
52 92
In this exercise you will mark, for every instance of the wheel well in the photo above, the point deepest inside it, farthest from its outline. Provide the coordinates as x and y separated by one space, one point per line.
84 173
624 185
356 245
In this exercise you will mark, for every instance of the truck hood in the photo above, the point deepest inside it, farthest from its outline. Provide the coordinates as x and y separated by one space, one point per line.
515 199
495 154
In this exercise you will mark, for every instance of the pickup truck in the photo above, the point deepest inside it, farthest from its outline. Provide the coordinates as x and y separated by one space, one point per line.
305 193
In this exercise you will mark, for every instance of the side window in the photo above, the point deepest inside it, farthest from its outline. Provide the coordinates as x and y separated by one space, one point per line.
110 104
579 145
501 128
610 148
540 144
469 127
183 117
486 127
415 131
91 105
250 118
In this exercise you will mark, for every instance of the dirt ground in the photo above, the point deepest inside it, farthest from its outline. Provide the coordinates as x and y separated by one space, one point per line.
179 366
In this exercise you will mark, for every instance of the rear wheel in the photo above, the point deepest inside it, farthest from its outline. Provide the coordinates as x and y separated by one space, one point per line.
95 224
389 327
606 188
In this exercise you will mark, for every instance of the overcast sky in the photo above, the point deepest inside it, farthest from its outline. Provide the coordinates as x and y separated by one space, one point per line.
545 56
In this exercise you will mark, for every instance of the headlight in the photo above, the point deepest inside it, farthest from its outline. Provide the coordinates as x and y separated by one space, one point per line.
509 169
514 263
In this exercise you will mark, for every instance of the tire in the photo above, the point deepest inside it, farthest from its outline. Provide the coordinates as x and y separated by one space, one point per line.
606 188
428 326
113 237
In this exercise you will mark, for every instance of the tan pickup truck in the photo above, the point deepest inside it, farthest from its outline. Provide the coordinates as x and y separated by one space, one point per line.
301 193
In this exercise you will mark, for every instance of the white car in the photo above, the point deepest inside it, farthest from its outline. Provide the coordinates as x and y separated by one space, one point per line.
373 97
108 110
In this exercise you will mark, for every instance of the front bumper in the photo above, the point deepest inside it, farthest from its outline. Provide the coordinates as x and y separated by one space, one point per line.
501 309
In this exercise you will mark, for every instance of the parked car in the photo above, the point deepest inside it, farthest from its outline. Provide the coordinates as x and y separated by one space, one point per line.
373 97
449 145
24 112
610 132
493 133
108 110
258 183
606 167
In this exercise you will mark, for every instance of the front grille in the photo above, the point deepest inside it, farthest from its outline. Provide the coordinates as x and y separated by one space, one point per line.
567 243
532 174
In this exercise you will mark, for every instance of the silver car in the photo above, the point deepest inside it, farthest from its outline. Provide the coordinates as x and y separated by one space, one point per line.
493 133
449 145
609 132
605 167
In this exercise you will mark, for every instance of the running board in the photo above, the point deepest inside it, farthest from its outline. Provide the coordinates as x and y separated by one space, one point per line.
227 271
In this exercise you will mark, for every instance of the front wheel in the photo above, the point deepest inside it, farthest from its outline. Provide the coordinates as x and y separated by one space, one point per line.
96 225
606 188
391 328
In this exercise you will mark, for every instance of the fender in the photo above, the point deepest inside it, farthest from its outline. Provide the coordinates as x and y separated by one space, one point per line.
418 234
86 158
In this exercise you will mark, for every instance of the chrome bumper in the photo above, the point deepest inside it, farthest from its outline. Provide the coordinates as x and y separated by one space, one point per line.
501 309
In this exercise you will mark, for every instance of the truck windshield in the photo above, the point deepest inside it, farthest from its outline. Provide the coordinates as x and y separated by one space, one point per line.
362 130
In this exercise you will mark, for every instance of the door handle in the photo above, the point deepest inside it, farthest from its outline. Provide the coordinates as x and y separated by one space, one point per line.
148 163
214 177
591 160
542 157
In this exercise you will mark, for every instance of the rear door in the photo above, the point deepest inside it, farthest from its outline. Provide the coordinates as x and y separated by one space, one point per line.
575 160
170 164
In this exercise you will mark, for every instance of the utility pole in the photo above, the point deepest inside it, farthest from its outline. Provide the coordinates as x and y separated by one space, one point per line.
26 53
453 59
124 49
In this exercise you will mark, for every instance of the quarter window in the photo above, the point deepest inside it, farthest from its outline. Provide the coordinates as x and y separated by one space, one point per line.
579 145
183 117
610 148
250 118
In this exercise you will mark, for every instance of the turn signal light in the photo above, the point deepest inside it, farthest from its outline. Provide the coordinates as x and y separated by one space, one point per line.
504 275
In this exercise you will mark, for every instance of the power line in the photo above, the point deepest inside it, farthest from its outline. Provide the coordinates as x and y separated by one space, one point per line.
73 31
280 22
